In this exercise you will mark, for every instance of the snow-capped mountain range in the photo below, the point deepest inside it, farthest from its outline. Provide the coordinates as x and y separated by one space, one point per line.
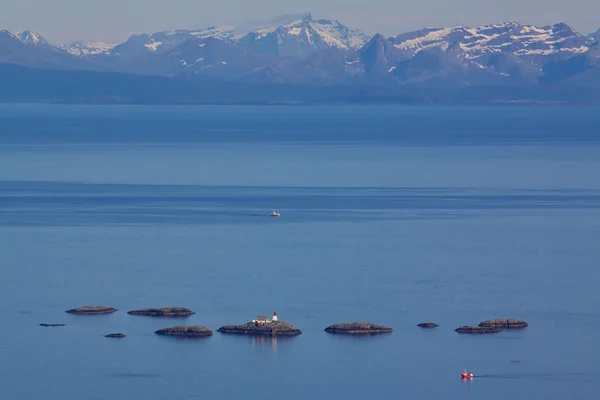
287 36
301 35
509 37
300 49
507 53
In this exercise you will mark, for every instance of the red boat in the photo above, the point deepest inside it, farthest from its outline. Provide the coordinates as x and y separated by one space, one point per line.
467 375
275 214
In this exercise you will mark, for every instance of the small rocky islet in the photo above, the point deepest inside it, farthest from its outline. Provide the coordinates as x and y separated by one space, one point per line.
115 335
92 310
428 325
357 328
504 323
477 329
185 331
494 326
163 312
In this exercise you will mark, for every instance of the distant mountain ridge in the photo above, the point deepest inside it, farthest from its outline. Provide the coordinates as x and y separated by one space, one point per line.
86 49
293 35
30 49
299 50
508 37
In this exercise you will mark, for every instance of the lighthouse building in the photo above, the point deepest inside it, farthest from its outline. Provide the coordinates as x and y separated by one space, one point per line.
261 320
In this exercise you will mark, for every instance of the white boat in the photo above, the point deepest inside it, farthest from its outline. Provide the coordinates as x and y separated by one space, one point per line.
275 214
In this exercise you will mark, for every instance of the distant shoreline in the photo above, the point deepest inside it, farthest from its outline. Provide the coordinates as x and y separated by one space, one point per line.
487 104
26 85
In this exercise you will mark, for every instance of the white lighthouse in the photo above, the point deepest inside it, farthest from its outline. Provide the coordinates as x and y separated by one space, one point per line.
275 316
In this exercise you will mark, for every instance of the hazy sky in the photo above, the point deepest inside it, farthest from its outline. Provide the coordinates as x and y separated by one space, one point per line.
113 20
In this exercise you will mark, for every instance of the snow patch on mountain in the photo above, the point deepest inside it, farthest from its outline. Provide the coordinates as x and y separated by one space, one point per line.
432 37
577 50
154 45
266 26
295 31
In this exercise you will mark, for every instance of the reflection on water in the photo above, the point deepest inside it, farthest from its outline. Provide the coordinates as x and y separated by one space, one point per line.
184 338
273 342
360 336
550 376
261 341
133 375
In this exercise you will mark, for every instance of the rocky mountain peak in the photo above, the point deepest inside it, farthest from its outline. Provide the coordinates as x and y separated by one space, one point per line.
31 37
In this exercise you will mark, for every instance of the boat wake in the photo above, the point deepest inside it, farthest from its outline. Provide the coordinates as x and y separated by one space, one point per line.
541 376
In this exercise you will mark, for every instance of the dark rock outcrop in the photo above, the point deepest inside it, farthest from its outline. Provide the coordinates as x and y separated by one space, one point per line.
163 312
274 328
504 323
92 310
187 331
52 325
354 328
477 329
116 335
428 325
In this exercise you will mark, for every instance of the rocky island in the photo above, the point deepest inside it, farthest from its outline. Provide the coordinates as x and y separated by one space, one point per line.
163 312
92 310
263 326
357 328
428 325
185 331
504 324
273 328
116 335
477 329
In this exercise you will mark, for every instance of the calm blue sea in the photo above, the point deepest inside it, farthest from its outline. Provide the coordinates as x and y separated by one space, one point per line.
394 215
